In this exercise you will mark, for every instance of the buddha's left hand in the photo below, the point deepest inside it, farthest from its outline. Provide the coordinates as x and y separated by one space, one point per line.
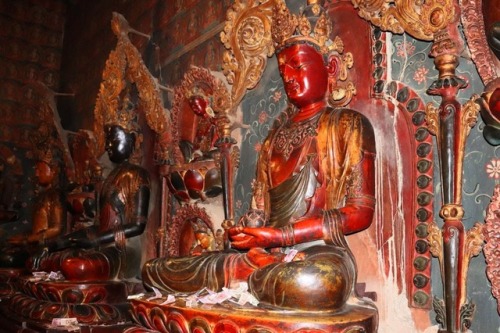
247 238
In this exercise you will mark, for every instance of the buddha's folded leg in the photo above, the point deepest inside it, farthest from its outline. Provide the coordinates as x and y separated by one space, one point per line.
211 270
91 265
322 281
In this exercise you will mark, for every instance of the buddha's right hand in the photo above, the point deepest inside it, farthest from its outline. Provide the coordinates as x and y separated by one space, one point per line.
260 257
247 238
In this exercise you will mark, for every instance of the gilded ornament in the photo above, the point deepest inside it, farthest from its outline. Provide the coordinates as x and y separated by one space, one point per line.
432 119
420 19
125 67
473 243
435 240
287 28
247 38
470 109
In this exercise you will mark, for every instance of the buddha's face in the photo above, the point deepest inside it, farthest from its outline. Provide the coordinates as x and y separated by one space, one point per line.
199 105
119 143
44 173
304 74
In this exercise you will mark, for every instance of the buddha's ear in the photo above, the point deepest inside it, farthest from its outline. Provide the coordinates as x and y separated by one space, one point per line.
332 65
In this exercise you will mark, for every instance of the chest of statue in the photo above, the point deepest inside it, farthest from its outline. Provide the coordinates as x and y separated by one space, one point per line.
295 179
292 146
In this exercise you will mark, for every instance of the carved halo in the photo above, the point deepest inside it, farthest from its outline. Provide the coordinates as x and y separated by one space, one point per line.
488 66
181 231
200 79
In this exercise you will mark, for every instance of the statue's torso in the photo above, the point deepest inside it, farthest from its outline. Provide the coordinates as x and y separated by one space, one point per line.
44 211
117 201
294 176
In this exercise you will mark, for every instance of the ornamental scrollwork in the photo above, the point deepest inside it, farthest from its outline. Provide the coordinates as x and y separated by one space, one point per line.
473 243
432 119
435 239
470 109
247 38
421 19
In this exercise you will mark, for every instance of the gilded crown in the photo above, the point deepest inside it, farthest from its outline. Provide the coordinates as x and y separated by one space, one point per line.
312 26
125 114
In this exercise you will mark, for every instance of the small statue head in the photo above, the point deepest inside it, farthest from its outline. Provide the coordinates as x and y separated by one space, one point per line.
200 103
119 143
44 173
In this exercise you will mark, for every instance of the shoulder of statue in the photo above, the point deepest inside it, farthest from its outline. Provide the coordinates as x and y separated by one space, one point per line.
140 172
351 122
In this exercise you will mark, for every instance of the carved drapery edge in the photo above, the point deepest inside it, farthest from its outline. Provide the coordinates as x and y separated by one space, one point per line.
492 246
125 63
474 31
219 96
183 215
247 38
418 20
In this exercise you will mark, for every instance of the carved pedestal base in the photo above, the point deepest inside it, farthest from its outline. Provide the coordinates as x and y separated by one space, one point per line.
94 304
7 278
230 317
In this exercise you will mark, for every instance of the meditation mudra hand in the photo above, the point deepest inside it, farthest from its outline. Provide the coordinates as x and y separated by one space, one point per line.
107 249
315 183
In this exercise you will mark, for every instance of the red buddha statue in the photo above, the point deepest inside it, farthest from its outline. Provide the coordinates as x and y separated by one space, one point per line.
315 184
47 219
206 130
109 248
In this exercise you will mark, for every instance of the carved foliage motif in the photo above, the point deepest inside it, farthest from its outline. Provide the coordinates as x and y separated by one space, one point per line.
420 19
247 38
492 246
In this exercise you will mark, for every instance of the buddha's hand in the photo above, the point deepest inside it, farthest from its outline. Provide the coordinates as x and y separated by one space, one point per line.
260 257
246 238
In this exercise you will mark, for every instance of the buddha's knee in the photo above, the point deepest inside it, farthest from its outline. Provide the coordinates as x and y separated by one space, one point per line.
320 284
91 266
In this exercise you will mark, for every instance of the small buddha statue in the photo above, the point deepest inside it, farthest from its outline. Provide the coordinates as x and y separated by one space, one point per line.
203 144
109 248
315 184
48 220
